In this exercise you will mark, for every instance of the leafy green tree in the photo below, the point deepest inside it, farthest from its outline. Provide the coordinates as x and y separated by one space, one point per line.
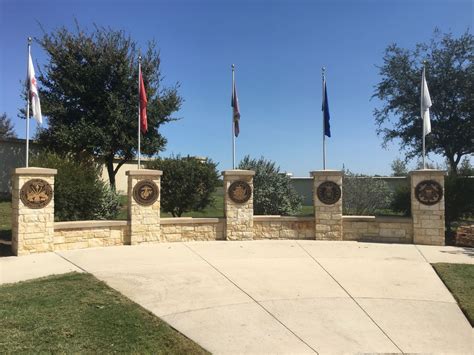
89 94
273 193
79 193
6 127
466 168
450 77
187 183
399 168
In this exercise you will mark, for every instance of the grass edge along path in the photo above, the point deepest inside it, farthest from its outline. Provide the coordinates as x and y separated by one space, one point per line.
77 313
459 279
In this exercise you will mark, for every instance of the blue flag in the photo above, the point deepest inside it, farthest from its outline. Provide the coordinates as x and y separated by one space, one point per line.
325 109
236 111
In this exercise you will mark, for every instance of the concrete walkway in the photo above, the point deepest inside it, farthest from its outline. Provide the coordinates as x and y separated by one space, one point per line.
282 296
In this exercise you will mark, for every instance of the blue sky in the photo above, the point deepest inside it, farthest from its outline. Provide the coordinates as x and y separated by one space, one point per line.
278 48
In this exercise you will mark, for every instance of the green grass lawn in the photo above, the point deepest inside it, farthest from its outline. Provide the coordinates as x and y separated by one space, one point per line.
5 218
215 210
459 279
5 226
76 313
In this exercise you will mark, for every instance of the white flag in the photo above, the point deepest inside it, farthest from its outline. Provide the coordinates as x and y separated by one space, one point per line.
33 92
425 105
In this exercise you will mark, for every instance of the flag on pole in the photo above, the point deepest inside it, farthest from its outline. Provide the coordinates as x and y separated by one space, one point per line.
143 103
33 91
325 109
236 111
425 105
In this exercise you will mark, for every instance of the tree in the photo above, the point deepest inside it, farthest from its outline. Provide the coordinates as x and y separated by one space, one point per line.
79 193
187 183
89 94
6 127
399 168
466 168
273 192
450 77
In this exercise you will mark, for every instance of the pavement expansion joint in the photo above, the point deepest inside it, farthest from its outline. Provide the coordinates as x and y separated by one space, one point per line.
254 300
355 301
205 308
72 263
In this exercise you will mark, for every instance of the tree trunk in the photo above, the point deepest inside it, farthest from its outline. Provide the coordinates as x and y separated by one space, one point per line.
453 163
109 161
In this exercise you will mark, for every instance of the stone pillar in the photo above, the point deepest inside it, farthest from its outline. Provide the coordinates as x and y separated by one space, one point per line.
32 210
144 205
327 200
427 206
238 204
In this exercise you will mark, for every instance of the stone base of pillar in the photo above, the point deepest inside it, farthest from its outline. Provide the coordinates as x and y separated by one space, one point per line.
32 210
427 206
327 200
238 204
144 205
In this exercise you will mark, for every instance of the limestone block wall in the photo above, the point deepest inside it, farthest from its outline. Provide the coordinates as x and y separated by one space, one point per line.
90 234
278 227
378 229
428 220
328 217
239 216
32 229
192 229
144 220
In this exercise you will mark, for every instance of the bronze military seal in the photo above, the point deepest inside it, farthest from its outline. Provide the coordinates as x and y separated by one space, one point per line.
145 192
36 193
240 191
429 192
328 192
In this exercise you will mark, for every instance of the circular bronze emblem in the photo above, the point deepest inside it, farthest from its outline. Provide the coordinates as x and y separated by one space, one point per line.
145 192
329 192
240 191
429 192
36 193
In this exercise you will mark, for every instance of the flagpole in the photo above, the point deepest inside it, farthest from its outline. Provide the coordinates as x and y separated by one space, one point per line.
139 135
28 105
233 123
421 112
323 69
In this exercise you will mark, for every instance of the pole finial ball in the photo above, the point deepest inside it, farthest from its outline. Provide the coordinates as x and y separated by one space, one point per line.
29 39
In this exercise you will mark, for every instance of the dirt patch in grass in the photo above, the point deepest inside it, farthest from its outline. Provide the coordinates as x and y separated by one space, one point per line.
459 279
76 313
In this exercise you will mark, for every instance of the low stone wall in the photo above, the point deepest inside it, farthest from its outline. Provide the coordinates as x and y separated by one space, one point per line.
278 227
88 234
185 229
378 229
34 229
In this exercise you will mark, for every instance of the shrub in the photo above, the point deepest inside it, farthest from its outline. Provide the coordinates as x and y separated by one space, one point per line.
459 199
79 194
187 183
273 192
401 200
364 195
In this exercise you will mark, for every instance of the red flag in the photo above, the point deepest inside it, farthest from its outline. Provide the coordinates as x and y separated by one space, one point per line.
143 102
